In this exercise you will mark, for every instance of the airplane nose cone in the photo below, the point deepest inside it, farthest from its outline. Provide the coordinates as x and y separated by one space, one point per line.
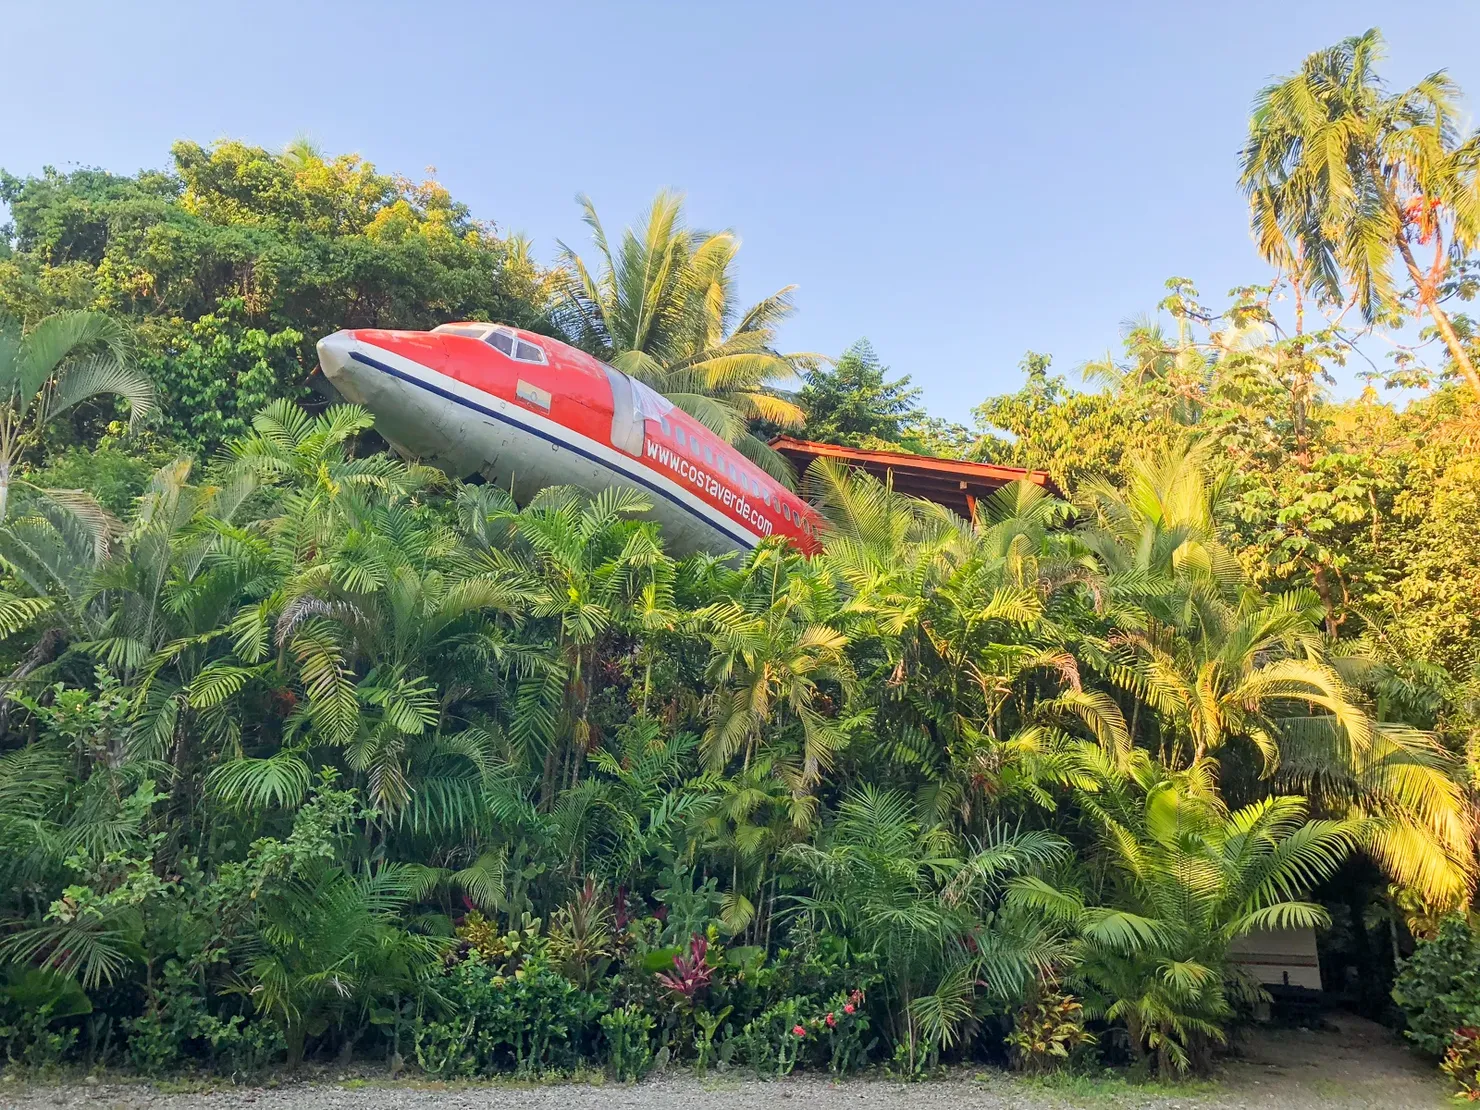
351 378
334 355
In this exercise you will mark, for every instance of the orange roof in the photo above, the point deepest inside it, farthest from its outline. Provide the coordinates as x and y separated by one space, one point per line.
949 482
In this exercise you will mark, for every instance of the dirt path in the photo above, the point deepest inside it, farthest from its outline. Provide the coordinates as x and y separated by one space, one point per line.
1360 1066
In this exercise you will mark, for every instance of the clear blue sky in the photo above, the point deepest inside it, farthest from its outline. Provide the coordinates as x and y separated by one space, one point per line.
957 182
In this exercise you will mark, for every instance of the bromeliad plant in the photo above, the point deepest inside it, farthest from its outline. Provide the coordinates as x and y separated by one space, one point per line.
691 974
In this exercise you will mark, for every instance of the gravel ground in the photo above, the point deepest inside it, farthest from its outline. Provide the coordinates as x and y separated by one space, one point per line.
1358 1065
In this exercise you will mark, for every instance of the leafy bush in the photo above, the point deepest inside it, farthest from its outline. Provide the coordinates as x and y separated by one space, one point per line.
1046 1032
706 1025
1438 987
1462 1062
34 1007
772 1043
159 1038
444 1048
844 1030
629 1046
529 1020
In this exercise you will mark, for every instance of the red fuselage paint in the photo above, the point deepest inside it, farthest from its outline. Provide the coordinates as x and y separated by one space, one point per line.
462 397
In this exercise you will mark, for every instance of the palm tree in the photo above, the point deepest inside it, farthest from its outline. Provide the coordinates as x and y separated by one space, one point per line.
1221 665
585 565
755 813
1343 175
1187 878
385 615
661 308
1237 675
771 651
952 625
1157 534
67 358
928 906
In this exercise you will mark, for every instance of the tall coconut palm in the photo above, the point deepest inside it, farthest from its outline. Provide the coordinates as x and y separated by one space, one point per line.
1342 176
660 306
64 360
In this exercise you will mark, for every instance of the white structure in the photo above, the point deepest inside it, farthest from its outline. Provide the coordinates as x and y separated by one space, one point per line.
1280 958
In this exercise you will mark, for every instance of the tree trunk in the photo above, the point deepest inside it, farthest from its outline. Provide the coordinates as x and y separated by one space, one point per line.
1300 385
1323 590
1428 297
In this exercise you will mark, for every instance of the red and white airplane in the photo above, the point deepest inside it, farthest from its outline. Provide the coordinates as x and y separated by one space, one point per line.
526 411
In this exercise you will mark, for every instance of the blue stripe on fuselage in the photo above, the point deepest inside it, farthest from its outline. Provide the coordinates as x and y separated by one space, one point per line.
564 445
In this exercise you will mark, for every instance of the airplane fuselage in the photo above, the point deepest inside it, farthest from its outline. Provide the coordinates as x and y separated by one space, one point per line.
526 411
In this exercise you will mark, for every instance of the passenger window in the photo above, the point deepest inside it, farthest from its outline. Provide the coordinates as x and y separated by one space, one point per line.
667 431
502 342
755 488
678 435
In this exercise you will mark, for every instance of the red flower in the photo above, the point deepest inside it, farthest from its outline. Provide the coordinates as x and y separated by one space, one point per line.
798 1030
848 1009
831 1021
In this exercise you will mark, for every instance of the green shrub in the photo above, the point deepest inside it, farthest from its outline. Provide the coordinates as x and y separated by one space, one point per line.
158 1038
178 1026
1462 1062
242 1048
844 1029
773 1042
1438 987
706 1025
1046 1032
529 1021
35 1006
443 1048
629 1042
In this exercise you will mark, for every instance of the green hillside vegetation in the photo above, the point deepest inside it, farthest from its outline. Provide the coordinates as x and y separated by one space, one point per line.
308 751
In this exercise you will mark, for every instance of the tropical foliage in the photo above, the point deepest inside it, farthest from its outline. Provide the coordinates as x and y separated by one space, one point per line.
660 306
307 750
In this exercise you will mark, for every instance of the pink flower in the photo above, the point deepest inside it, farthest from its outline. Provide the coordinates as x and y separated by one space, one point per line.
831 1021
848 1009
798 1031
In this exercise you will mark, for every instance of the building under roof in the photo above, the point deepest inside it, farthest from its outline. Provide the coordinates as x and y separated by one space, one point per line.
949 482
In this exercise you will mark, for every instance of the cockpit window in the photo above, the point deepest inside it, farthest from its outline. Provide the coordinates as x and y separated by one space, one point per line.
528 352
500 338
